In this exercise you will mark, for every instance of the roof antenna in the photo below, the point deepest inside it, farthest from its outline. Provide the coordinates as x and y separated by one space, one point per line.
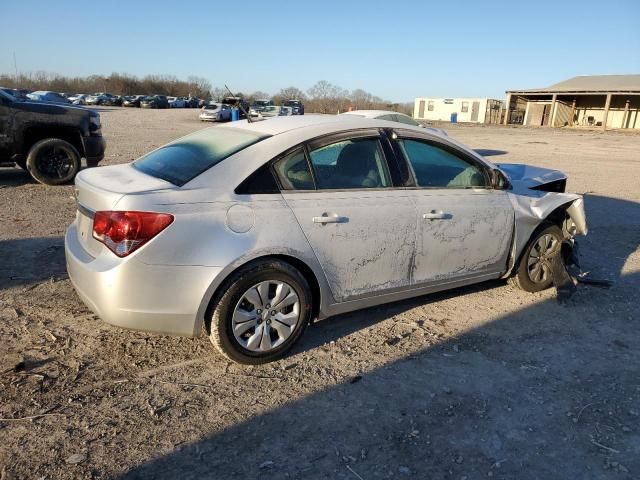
240 105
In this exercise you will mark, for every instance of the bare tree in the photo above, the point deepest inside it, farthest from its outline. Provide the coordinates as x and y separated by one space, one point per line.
289 93
218 93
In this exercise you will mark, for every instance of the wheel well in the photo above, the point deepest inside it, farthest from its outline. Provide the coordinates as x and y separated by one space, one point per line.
298 264
33 135
309 276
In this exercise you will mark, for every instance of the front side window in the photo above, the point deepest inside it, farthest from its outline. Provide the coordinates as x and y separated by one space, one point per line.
436 167
293 171
356 163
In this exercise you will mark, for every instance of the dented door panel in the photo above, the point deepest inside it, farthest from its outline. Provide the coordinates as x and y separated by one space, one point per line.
473 236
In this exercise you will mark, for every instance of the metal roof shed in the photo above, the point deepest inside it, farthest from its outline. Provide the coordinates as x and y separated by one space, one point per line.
608 101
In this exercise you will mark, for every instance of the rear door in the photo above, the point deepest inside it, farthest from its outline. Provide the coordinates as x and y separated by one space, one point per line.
465 227
360 227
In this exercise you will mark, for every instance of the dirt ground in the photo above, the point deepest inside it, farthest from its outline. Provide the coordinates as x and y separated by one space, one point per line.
484 381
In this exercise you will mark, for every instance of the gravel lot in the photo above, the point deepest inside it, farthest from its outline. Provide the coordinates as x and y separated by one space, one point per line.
485 381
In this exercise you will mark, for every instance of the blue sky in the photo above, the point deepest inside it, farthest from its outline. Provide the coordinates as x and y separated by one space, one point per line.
395 49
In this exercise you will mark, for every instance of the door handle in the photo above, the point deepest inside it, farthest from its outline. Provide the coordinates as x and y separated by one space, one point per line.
436 215
333 218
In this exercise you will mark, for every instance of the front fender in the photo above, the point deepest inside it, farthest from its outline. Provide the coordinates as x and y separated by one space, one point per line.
532 208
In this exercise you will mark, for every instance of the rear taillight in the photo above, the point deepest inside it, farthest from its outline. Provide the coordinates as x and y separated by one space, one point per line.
125 232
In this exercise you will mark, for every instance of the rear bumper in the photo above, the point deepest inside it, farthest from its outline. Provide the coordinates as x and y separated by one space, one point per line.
131 294
94 147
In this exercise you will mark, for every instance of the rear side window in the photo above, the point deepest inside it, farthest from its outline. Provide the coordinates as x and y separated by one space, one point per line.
182 161
293 171
407 120
436 167
356 163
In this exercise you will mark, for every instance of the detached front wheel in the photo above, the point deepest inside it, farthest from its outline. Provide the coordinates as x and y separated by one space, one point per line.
53 161
261 313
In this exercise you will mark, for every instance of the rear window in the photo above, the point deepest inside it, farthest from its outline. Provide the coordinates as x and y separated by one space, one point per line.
182 161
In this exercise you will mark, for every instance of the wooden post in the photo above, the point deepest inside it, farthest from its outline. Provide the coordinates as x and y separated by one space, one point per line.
573 112
606 111
507 109
552 114
625 114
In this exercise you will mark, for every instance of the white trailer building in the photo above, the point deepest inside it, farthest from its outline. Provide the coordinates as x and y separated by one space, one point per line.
475 110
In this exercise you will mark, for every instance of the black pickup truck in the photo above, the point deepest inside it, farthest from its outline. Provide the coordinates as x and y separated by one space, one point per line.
49 140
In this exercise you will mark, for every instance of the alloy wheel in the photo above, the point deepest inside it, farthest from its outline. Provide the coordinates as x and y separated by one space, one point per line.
55 162
266 316
540 255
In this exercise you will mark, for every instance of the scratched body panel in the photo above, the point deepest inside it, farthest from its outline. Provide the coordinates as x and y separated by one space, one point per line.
474 237
372 250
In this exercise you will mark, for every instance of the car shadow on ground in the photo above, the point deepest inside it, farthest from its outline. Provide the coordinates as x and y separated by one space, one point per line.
547 391
29 261
14 177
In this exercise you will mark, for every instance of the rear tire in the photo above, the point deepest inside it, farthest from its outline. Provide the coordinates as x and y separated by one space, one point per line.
271 330
53 161
534 269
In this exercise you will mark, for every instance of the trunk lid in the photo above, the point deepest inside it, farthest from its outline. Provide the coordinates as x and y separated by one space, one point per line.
102 188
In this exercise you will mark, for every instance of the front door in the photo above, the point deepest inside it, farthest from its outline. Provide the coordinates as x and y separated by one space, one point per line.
361 229
464 226
475 108
5 128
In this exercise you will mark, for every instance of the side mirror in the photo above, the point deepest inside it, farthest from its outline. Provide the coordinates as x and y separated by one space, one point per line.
499 180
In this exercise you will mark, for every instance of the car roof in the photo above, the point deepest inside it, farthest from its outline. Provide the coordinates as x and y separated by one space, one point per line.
325 123
373 113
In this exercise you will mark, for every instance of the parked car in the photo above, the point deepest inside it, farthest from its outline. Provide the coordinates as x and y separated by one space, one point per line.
154 101
176 102
297 106
100 98
132 100
162 101
48 140
78 99
14 92
392 116
251 230
237 102
260 104
46 96
275 111
215 112
113 100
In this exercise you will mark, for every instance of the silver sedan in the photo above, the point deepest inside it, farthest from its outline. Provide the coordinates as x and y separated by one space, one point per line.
249 231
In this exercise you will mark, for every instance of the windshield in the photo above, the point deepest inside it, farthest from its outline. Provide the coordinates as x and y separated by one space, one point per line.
185 159
6 95
270 109
292 103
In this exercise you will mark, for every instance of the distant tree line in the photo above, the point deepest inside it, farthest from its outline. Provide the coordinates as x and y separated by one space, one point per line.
116 83
323 97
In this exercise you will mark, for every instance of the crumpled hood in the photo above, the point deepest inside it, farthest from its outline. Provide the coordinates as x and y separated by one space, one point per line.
528 176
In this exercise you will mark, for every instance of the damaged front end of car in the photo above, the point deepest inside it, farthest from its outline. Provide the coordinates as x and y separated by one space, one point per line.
538 195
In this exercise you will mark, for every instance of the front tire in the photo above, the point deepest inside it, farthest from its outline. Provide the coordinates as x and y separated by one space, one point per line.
534 272
53 161
260 313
